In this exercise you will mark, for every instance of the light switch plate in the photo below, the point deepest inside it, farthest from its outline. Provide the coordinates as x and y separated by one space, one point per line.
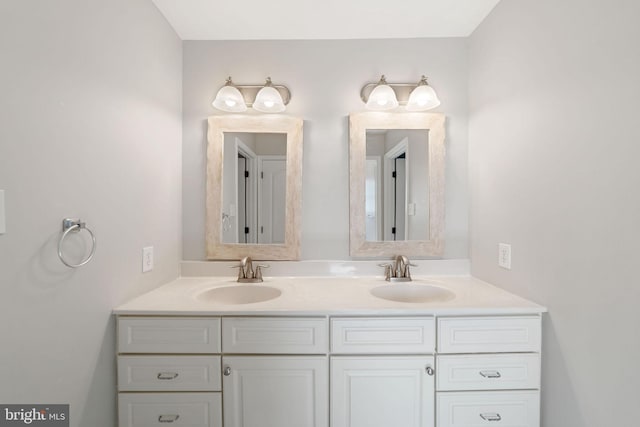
3 216
147 259
504 255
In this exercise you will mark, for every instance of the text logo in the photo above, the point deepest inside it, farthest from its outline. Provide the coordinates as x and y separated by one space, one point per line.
34 415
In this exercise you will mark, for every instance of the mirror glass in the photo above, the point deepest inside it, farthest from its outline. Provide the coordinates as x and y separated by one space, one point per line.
397 184
254 187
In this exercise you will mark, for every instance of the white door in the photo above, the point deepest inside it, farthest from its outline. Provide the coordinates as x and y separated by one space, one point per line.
272 199
276 391
382 391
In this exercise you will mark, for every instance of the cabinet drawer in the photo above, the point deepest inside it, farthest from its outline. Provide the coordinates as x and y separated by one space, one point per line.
168 335
491 372
268 335
164 409
169 373
489 408
408 335
489 334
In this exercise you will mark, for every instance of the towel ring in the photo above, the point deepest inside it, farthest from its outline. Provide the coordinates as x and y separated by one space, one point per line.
75 225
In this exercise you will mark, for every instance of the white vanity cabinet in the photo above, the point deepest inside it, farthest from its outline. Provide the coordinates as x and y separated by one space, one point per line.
321 371
488 371
382 372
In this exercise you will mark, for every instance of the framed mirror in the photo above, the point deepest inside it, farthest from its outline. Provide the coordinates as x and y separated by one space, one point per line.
254 185
396 183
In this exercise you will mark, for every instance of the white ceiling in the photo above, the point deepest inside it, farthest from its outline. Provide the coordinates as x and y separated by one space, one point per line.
323 19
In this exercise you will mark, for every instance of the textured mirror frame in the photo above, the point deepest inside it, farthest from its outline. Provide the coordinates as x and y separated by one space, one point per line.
358 125
218 125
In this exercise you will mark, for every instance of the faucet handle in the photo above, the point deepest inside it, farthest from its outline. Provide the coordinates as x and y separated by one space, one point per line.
258 272
241 273
407 273
388 270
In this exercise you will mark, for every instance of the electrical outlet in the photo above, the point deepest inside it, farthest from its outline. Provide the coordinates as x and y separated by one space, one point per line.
3 227
504 255
147 259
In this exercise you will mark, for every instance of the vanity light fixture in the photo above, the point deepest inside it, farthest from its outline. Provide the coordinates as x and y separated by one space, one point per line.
230 99
423 97
267 98
382 97
387 96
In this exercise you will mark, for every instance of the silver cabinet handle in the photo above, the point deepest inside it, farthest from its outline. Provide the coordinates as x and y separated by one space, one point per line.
167 375
429 370
491 417
490 374
227 371
168 418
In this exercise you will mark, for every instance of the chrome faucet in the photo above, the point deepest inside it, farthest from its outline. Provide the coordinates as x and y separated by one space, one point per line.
246 273
398 271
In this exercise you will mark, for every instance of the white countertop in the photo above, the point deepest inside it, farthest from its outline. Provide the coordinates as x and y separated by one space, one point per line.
305 296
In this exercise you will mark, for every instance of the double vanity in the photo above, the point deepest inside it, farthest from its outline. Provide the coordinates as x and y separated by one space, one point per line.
448 351
341 349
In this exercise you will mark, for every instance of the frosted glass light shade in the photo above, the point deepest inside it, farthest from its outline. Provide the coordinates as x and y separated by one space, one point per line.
229 99
422 98
382 98
269 100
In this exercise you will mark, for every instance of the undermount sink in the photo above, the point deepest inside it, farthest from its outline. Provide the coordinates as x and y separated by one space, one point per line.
239 294
412 292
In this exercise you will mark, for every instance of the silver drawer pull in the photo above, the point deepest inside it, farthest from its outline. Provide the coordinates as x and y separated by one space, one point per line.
490 374
227 371
167 375
491 417
429 370
168 418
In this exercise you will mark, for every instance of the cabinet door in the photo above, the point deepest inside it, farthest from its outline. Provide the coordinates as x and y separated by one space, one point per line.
276 391
382 391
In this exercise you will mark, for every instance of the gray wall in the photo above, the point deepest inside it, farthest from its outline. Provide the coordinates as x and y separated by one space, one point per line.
554 149
325 78
90 126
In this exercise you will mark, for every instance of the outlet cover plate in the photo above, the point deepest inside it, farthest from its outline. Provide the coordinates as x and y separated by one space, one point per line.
504 255
147 259
3 221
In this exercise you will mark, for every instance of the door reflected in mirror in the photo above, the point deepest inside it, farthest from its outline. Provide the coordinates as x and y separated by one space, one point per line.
381 143
266 203
254 188
397 184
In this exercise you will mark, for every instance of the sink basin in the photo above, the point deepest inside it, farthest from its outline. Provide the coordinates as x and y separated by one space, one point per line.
412 292
239 294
